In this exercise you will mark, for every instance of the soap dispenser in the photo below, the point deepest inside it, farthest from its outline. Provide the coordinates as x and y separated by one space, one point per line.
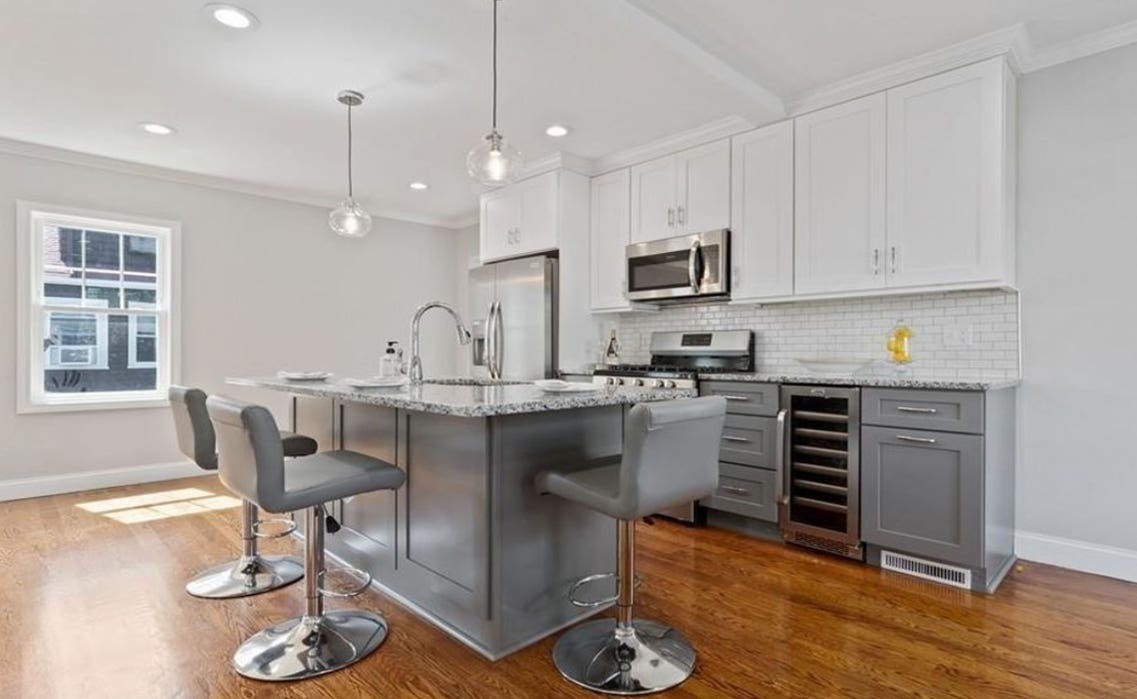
392 361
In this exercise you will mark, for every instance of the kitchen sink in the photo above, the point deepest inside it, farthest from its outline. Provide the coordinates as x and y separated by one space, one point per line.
475 382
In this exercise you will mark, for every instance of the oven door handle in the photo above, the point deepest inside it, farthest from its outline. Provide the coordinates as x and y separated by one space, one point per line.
695 266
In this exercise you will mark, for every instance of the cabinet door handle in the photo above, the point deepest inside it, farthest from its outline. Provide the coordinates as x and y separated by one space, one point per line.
919 440
681 215
738 398
875 261
670 216
732 438
735 490
893 262
910 409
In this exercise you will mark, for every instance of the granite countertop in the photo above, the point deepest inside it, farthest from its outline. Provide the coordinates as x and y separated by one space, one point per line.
869 381
453 398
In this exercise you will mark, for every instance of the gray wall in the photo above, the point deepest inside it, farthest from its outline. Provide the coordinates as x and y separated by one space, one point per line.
265 286
1077 255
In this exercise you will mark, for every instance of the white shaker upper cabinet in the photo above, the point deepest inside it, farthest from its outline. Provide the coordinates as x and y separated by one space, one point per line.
653 186
762 213
537 229
950 185
608 239
500 216
702 200
839 230
688 192
521 218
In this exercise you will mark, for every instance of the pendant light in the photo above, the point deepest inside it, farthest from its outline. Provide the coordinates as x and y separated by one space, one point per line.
349 219
494 162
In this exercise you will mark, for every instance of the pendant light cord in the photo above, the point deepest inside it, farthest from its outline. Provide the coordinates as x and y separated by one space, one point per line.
350 192
493 118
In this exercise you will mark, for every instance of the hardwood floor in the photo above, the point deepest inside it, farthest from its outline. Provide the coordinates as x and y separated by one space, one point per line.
94 607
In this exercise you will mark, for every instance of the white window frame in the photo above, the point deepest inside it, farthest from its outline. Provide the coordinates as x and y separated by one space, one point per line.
31 397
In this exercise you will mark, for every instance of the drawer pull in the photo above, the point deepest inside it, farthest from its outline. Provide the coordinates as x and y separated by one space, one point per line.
735 490
738 398
920 440
910 409
732 438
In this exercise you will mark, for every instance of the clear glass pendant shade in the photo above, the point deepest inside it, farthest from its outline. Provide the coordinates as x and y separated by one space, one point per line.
494 162
349 219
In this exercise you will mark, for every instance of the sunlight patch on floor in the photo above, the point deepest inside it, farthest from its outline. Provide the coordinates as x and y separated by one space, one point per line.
160 505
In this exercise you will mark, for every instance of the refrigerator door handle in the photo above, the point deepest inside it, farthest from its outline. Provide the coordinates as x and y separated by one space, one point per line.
499 340
491 340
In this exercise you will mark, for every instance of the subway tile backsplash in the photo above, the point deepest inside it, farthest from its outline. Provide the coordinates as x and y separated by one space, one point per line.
964 334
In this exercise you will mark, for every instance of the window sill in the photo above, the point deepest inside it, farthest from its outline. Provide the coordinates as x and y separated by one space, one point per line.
75 406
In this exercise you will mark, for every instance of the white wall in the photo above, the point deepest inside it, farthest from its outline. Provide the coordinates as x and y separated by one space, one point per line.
1077 476
265 286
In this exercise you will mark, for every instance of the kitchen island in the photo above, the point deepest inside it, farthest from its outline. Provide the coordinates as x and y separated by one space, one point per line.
467 543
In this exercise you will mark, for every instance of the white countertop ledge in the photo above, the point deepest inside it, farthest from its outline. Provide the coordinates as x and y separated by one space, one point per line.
465 401
869 381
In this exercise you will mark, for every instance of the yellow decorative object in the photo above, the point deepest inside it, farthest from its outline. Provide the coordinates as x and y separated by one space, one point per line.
898 345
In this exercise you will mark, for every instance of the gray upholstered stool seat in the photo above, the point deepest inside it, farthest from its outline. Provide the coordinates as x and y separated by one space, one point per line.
252 464
670 457
252 573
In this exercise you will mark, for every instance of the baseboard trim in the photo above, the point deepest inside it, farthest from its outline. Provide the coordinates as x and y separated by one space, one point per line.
21 488
1083 556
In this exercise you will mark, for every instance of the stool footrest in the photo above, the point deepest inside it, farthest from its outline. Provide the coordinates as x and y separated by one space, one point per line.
289 527
589 579
363 577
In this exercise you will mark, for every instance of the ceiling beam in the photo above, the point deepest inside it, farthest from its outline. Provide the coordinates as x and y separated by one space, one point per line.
767 105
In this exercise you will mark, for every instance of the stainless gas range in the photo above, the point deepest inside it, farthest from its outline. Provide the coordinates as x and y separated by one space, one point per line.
677 360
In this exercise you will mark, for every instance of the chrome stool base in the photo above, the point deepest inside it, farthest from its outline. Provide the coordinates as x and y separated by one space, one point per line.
246 576
649 657
308 646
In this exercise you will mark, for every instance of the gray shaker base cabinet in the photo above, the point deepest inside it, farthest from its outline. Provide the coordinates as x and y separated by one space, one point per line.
937 478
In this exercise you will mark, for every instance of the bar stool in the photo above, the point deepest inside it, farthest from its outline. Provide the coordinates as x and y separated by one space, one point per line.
670 457
252 573
252 464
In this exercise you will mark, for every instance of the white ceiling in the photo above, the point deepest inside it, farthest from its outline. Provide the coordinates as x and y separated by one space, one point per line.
259 106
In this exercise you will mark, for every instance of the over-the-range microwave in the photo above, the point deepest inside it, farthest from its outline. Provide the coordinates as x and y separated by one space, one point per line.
690 266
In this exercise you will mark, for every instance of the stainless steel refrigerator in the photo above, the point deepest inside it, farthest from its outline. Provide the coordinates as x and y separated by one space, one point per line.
513 307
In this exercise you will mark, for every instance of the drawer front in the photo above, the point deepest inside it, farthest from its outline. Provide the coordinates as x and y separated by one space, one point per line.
749 440
744 491
948 411
744 398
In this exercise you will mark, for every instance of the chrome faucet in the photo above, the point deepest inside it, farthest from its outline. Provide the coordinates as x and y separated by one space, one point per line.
416 360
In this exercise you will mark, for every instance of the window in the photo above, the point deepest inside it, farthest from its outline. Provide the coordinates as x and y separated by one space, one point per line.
97 309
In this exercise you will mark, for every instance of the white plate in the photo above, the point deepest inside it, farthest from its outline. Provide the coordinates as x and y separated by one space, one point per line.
304 375
375 382
558 386
835 366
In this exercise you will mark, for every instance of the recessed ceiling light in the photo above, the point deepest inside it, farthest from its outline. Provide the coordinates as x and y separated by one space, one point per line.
156 128
556 131
419 185
232 16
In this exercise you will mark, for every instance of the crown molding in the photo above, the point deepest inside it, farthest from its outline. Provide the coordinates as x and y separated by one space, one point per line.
1082 46
1013 42
711 131
155 172
766 103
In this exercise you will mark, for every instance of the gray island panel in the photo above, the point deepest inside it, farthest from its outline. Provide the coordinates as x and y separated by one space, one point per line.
467 542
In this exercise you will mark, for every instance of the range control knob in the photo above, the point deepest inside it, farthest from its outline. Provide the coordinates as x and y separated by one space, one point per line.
619 382
638 382
669 384
658 383
611 381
